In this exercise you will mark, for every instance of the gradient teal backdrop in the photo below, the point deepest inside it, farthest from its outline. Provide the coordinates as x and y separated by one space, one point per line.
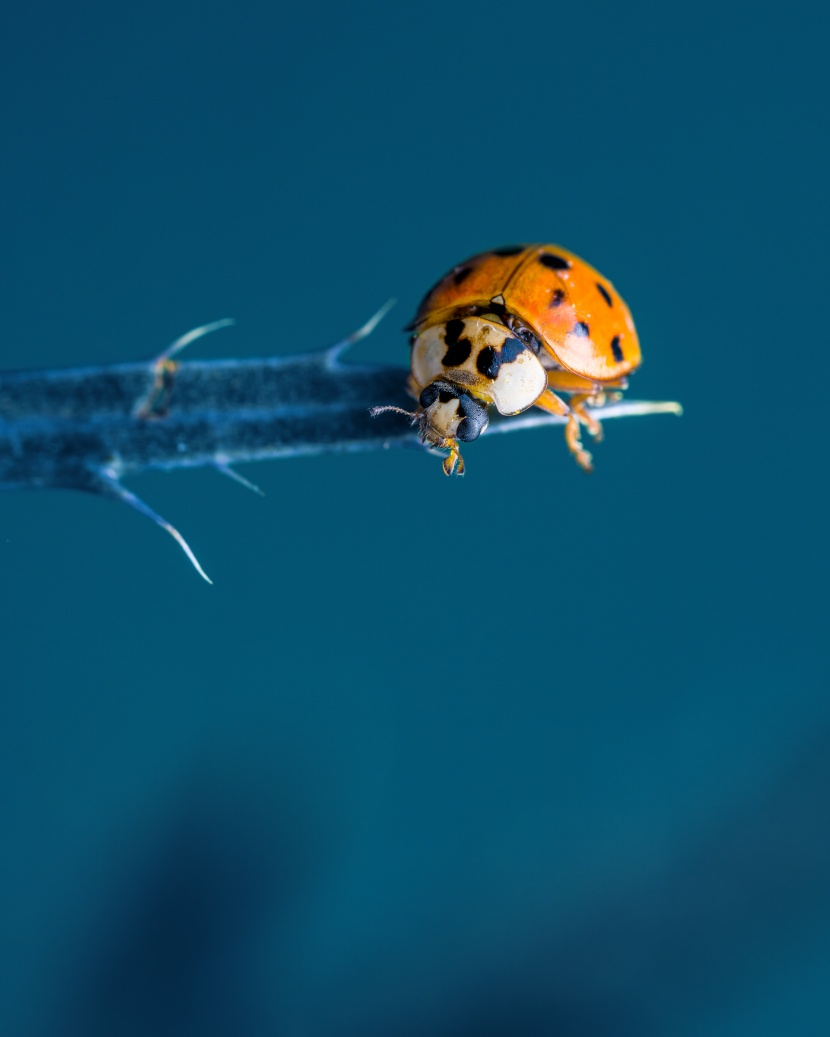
522 754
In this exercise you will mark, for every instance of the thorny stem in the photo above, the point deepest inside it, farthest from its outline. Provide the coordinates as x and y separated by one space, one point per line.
86 428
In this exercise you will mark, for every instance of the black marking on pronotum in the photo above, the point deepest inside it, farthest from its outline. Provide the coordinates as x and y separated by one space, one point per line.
453 331
460 276
603 291
458 353
511 348
557 298
509 250
581 329
616 349
488 362
554 262
458 348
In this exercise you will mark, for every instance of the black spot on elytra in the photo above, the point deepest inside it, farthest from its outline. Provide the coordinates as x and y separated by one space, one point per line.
616 349
509 250
554 262
557 298
581 329
460 276
488 362
603 291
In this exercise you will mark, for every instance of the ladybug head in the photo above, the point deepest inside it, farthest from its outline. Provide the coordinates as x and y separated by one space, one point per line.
448 412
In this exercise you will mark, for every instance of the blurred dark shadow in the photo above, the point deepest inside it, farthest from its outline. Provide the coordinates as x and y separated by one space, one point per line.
179 949
175 950
534 1017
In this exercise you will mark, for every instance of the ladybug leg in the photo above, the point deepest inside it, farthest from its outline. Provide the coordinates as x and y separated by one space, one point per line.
588 420
572 438
553 404
454 462
585 392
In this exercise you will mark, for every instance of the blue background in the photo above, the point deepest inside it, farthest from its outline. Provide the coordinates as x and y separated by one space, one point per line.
525 753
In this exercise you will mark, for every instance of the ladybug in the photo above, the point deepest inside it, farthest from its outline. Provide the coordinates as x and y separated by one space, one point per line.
512 328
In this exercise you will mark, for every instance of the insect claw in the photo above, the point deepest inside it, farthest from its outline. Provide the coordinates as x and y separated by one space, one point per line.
453 463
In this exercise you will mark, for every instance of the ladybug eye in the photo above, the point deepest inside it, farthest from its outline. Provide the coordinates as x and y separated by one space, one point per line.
474 421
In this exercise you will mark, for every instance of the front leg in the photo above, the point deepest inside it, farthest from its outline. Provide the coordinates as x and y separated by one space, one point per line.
454 462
